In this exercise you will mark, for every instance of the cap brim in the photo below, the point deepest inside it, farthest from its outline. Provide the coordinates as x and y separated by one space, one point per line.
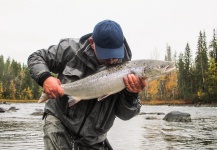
107 53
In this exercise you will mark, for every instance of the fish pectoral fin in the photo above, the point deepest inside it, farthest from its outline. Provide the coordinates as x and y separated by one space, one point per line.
102 97
73 100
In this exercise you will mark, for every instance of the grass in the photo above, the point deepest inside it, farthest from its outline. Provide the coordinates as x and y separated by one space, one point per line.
166 102
17 101
144 102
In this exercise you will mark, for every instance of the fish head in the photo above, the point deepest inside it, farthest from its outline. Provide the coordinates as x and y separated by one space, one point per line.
156 68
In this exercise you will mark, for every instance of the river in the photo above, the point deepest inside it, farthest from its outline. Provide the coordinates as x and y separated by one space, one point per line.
20 130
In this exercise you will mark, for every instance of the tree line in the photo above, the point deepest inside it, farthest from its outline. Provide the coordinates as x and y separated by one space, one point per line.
15 81
195 78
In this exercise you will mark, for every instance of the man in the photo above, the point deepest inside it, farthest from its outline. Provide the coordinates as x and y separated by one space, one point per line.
84 125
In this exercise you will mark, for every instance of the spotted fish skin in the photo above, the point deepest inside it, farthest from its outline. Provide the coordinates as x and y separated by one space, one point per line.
110 80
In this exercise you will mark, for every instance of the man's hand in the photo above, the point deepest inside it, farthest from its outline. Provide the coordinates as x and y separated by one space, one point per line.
134 84
52 87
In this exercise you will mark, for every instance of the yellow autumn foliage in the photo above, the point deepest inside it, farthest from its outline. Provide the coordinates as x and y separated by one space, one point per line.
163 88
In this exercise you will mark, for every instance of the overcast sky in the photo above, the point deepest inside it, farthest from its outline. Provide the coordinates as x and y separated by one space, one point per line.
148 25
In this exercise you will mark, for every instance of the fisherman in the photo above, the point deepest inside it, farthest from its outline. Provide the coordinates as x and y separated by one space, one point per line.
84 126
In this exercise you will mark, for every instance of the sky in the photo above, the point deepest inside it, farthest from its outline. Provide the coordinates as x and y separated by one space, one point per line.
148 25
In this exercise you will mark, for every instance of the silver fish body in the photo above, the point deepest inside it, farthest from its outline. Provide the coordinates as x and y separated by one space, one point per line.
110 80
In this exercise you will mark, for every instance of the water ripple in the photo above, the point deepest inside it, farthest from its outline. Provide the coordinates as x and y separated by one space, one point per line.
20 130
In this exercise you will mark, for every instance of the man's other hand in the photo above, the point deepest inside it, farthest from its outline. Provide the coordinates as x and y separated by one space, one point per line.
134 84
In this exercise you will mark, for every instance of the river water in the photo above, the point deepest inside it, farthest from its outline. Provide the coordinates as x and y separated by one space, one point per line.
20 130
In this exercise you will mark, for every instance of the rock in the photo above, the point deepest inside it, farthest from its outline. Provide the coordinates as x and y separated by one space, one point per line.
176 116
38 110
152 113
160 113
37 113
13 109
2 110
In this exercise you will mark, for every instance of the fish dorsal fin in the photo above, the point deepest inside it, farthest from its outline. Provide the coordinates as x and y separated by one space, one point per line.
102 97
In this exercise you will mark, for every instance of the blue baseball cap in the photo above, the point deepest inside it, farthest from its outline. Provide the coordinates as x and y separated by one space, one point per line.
109 40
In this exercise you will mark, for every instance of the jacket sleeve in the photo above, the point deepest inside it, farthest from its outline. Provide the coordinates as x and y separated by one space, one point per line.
53 59
128 105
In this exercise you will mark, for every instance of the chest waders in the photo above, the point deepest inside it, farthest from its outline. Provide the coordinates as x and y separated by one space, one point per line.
90 106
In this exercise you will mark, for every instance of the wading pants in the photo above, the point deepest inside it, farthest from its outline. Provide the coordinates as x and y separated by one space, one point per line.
56 137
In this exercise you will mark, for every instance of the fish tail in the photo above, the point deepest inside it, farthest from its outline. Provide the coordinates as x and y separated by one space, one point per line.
44 97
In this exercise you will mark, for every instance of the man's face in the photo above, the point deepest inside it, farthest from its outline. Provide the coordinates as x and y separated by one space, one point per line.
106 62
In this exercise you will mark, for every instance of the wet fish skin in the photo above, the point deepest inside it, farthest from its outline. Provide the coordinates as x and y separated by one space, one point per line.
110 80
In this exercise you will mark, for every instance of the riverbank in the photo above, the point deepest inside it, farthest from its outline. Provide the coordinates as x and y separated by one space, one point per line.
143 102
166 102
2 101
177 103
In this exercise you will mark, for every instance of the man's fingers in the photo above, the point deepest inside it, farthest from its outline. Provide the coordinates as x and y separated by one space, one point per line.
56 93
59 82
52 87
53 95
60 91
131 83
134 84
130 80
127 83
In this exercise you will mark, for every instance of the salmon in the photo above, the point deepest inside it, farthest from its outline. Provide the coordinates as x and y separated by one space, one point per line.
110 80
